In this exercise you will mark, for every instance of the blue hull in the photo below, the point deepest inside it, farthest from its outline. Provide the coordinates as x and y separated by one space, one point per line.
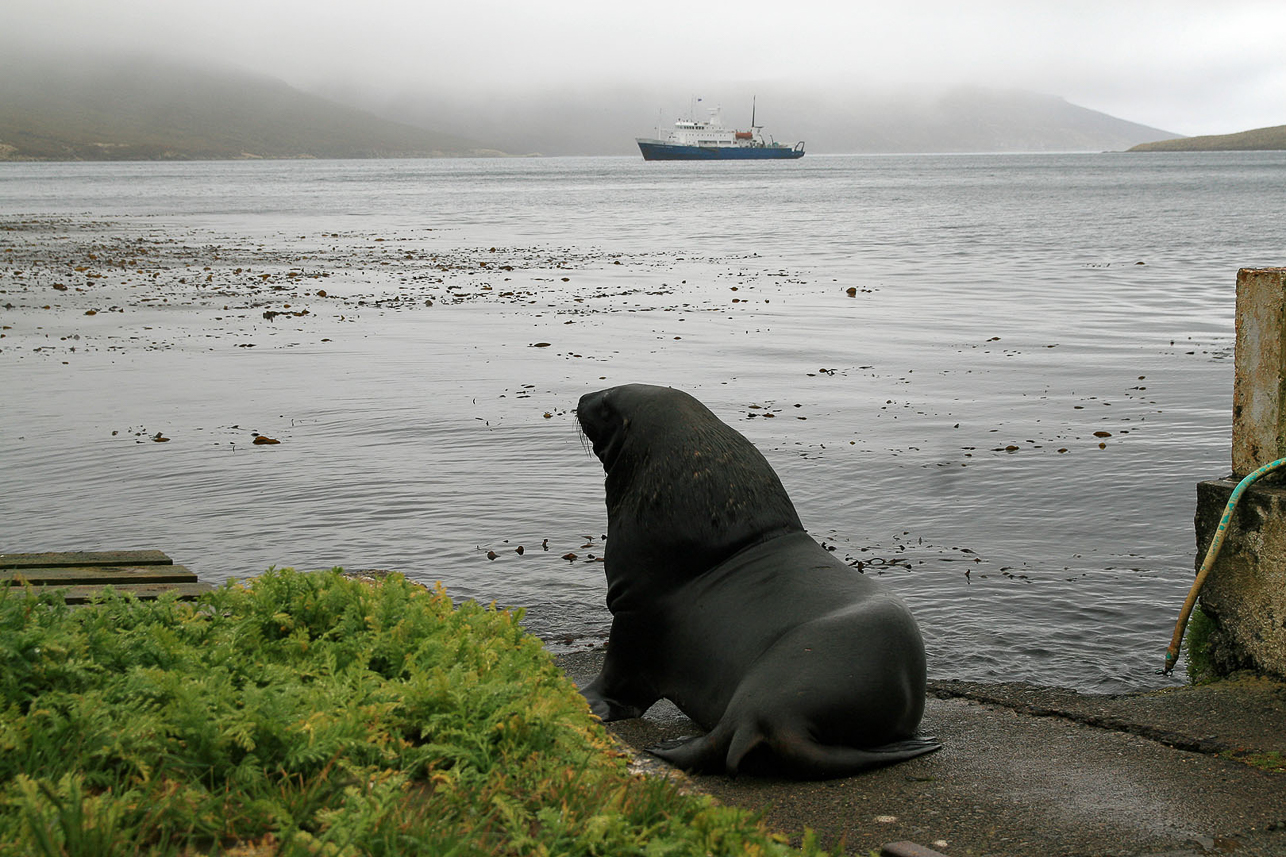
657 151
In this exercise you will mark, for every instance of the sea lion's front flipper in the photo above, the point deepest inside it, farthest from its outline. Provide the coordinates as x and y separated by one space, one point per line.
606 706
623 688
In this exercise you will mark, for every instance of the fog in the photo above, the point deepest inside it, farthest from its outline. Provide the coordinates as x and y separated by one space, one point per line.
1188 67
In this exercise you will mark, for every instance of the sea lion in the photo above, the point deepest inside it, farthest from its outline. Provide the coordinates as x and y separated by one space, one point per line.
794 662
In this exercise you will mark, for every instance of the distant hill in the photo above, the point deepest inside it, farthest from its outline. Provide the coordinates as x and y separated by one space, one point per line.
973 119
605 121
149 109
1258 140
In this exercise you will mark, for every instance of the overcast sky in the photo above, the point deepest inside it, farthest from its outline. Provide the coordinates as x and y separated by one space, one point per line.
1208 67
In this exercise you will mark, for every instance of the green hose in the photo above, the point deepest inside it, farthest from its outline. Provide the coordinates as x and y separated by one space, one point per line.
1212 553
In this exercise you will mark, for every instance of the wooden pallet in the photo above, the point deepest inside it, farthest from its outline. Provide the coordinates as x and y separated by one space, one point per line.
145 574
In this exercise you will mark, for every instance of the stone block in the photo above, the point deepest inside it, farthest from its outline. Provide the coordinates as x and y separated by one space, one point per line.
1245 593
1259 388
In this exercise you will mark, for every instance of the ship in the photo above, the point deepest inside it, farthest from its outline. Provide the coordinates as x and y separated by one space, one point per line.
710 140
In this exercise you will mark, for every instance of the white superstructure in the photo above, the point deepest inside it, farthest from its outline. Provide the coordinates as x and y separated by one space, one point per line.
694 132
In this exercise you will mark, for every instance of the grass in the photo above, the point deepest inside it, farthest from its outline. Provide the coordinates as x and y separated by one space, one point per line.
312 714
1258 139
1271 761
1197 644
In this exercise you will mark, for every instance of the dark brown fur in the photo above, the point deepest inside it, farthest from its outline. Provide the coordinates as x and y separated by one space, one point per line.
723 604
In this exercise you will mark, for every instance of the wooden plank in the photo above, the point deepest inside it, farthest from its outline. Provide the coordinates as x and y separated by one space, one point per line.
83 558
143 591
81 575
99 575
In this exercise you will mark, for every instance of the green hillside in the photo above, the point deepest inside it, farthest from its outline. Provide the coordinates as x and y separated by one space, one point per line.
1258 140
147 109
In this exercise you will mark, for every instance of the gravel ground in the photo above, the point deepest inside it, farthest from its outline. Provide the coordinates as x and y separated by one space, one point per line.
1029 770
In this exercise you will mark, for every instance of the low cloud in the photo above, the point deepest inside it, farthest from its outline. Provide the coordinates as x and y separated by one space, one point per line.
1192 67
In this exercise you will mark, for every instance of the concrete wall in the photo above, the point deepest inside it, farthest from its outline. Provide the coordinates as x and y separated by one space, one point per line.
1259 389
1245 593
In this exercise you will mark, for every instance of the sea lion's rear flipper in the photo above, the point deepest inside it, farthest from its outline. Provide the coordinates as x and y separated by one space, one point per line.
795 755
694 753
806 758
715 752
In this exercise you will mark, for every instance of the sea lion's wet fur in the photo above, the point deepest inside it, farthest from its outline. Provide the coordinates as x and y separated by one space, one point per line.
684 490
724 605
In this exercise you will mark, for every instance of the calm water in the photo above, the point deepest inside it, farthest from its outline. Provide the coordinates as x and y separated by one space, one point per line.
938 427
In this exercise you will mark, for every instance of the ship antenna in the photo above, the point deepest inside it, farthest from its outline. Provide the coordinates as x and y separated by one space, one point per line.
752 111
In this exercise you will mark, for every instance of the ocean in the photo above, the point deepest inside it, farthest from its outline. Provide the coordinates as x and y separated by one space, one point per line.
994 381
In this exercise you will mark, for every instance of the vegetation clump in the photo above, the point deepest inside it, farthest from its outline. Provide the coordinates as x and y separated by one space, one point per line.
312 714
1197 640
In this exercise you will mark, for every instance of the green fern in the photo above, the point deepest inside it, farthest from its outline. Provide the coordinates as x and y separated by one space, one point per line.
312 714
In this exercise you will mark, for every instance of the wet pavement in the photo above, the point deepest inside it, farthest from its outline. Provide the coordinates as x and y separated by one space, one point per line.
1028 770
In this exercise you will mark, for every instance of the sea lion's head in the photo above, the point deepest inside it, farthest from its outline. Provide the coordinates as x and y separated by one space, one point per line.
684 490
640 418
